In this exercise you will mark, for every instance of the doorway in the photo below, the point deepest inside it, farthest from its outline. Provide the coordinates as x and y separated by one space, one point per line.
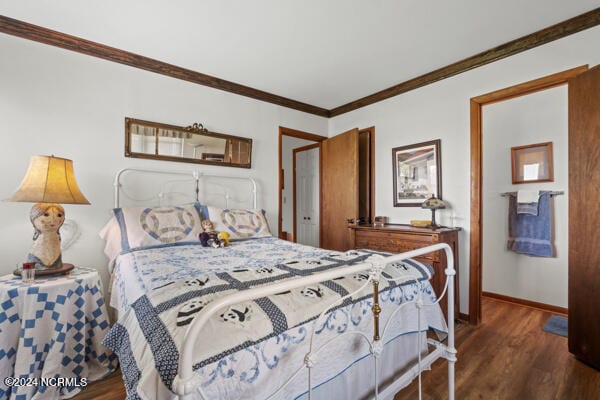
346 185
289 141
306 194
476 239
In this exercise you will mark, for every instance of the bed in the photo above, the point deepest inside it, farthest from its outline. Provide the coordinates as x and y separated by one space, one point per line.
262 317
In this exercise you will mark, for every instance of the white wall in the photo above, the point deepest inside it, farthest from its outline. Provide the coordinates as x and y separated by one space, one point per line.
536 118
441 110
288 143
57 102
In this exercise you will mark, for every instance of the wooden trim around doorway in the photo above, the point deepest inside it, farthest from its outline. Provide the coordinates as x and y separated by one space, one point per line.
283 131
477 103
296 151
371 131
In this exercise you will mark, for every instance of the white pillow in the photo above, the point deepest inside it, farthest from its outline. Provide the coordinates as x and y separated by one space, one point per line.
133 227
239 223
111 233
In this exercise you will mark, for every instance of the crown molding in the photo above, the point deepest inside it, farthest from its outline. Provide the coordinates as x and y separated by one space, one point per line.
40 34
546 35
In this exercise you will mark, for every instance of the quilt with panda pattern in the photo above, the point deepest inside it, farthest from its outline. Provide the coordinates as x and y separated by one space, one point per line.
245 350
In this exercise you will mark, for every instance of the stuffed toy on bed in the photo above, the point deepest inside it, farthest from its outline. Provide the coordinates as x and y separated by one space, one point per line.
210 238
224 238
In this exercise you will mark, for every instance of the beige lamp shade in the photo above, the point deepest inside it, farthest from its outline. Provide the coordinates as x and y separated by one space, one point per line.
50 179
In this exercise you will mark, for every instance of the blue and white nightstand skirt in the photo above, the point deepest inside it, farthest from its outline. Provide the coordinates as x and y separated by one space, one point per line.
52 328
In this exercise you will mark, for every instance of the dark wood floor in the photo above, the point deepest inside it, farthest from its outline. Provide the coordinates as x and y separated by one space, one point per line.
508 356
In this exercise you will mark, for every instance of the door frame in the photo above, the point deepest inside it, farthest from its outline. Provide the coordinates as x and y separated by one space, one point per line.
283 131
371 130
476 225
294 203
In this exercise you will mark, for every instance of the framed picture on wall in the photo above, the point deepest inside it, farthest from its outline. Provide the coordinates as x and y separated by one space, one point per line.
417 173
532 163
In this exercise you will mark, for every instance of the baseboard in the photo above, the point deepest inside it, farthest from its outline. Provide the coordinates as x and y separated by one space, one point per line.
527 303
463 317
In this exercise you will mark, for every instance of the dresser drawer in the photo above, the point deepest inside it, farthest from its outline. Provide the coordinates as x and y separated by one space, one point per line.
395 242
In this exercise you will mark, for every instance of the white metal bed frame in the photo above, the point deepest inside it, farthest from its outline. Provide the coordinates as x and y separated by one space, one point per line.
187 382
196 176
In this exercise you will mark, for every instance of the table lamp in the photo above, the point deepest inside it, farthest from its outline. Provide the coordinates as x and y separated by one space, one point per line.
48 182
433 203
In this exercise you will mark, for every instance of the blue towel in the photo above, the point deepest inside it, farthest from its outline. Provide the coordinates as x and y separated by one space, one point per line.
527 208
530 234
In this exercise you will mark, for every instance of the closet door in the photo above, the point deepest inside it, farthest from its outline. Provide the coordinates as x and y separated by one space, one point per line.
339 188
584 216
306 195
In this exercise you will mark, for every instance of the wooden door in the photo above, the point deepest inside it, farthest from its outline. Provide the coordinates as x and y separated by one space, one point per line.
339 186
584 216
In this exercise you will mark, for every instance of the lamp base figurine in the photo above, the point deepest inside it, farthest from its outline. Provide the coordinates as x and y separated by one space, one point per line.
47 218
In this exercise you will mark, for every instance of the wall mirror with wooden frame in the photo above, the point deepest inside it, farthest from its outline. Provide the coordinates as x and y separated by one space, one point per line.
194 144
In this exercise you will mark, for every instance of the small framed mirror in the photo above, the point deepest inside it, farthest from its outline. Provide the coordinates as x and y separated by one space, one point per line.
194 144
532 163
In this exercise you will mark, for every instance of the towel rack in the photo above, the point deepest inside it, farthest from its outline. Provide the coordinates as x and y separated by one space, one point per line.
553 193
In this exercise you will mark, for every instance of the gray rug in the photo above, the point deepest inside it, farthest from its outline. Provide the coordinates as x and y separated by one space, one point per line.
557 325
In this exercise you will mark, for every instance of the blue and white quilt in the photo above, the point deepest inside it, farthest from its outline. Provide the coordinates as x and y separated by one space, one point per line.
245 351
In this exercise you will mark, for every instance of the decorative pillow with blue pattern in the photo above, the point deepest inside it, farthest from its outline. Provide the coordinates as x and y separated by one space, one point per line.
239 223
147 226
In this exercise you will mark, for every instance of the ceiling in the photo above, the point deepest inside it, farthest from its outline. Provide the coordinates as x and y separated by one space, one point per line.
321 52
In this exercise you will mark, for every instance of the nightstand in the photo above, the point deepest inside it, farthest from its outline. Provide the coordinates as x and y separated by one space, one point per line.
53 328
402 238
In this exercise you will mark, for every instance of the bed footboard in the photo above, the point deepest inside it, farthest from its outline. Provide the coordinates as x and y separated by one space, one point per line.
186 382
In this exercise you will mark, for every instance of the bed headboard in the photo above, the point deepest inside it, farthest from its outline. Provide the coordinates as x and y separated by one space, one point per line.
137 186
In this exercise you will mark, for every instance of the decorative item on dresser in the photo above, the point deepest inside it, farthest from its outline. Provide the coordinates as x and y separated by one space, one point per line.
433 203
380 221
400 238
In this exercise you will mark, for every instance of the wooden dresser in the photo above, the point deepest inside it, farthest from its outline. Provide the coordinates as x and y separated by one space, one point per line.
401 238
